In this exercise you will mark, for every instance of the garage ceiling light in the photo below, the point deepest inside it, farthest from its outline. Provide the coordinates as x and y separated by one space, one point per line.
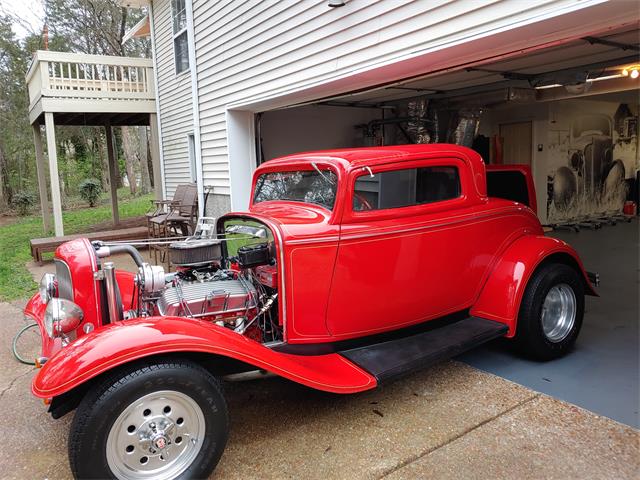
633 71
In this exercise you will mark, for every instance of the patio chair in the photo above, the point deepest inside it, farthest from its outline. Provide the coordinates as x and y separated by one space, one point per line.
163 207
176 217
183 216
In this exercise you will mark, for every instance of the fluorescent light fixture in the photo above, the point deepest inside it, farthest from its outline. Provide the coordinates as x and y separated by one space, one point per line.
591 80
553 85
606 77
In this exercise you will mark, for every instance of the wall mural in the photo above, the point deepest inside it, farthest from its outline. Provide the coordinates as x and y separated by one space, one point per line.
592 151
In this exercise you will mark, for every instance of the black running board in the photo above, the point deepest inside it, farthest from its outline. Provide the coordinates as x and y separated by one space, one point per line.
397 357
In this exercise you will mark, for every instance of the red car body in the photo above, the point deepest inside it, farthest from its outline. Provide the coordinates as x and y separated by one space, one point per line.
342 275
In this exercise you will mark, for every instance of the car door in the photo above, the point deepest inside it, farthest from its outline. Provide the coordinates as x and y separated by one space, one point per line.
403 257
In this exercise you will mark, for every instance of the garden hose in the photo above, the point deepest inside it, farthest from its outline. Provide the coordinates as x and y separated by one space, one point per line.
14 345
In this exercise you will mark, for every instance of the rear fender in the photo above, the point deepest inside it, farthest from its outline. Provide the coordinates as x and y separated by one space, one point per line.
502 293
119 343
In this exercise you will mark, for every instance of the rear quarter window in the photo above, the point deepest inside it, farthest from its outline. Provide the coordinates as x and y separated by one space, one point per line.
406 187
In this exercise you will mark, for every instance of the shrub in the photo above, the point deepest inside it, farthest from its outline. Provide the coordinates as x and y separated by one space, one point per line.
22 202
90 190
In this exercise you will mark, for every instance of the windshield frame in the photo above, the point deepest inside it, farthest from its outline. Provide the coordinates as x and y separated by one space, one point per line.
307 168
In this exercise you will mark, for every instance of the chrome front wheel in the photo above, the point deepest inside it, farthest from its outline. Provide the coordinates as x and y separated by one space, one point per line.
157 436
559 312
153 419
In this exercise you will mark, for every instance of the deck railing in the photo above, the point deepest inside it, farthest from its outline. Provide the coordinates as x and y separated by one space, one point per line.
92 77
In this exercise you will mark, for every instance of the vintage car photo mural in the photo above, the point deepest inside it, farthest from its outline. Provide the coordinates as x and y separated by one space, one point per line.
591 161
350 268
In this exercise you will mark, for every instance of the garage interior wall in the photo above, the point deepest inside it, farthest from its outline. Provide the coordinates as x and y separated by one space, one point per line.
313 127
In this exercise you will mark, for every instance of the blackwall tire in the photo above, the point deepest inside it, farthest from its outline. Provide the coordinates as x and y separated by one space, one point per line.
129 422
551 312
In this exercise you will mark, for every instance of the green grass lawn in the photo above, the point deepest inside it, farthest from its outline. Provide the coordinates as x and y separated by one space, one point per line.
15 280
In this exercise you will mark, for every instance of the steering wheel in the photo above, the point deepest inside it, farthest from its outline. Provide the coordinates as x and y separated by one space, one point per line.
363 201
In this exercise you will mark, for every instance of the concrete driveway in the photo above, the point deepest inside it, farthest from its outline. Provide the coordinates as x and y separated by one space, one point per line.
451 421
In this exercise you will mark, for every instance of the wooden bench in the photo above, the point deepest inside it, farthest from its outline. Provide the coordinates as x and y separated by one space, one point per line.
43 245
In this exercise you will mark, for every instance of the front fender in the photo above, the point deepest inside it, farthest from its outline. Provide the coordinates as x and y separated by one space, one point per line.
123 342
502 293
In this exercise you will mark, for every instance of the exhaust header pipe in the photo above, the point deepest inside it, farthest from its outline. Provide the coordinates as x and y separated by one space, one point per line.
112 291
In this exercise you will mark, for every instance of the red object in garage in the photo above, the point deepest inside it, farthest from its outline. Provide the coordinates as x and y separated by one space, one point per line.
630 208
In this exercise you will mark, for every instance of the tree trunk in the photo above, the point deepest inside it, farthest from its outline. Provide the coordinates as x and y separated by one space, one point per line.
143 149
129 147
4 201
101 148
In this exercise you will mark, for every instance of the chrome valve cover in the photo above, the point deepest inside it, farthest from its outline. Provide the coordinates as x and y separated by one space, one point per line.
198 299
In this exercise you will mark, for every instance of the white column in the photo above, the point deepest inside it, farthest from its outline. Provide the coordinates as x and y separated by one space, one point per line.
53 173
113 174
242 156
42 178
156 158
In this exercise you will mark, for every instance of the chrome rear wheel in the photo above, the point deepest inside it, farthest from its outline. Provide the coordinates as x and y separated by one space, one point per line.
551 312
559 312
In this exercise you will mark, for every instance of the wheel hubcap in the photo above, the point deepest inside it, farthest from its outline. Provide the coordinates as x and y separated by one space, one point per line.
558 312
157 436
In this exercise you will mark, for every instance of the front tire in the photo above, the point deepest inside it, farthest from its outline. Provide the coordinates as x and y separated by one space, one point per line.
551 312
161 420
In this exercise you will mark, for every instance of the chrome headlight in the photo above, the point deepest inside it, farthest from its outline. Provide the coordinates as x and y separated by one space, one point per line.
61 317
47 287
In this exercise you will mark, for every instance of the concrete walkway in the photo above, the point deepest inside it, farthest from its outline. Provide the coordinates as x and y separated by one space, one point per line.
451 421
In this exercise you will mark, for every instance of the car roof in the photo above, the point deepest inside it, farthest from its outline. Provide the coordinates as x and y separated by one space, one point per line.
375 155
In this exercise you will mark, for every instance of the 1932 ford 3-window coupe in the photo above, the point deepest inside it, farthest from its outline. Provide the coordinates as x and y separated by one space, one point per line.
351 267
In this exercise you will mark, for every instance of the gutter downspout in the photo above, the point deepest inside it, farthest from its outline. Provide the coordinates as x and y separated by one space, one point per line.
155 79
195 106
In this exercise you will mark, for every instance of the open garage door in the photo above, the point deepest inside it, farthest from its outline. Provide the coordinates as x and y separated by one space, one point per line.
579 100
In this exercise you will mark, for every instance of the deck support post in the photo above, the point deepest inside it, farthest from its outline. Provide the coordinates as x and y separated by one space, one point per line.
42 178
154 143
113 173
56 198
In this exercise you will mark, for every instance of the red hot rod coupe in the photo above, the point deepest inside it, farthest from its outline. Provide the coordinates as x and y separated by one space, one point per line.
351 267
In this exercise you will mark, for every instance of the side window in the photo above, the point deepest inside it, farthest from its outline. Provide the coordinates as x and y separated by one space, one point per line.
180 42
406 187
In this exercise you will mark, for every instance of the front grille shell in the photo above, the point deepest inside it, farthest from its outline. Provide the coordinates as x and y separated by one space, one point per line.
63 276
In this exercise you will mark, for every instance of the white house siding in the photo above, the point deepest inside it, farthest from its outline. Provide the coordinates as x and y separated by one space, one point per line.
174 98
257 50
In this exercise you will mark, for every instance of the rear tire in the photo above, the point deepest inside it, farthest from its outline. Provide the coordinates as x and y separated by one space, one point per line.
551 312
160 420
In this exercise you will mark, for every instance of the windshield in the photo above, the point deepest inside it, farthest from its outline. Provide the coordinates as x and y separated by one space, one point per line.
309 186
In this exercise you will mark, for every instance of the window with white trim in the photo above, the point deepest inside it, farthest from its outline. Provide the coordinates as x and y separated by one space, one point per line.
180 41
